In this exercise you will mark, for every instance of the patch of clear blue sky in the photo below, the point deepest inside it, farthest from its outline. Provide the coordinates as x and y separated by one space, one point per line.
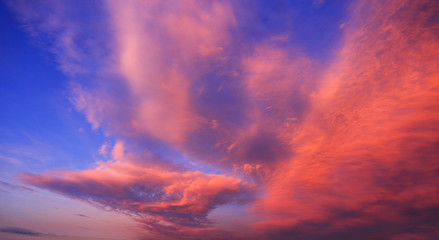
313 28
38 125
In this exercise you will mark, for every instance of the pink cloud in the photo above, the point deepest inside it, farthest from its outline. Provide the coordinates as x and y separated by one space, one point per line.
155 56
162 201
315 150
374 120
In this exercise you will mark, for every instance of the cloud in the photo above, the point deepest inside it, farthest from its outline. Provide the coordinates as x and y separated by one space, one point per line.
12 232
156 46
162 201
318 151
61 29
20 231
10 186
366 153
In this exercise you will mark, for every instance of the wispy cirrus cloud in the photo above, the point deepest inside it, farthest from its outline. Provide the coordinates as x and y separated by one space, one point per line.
62 29
11 186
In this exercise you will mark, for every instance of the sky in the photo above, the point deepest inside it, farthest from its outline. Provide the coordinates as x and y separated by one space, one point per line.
186 119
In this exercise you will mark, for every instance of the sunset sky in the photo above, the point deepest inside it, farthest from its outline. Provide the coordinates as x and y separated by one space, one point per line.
240 119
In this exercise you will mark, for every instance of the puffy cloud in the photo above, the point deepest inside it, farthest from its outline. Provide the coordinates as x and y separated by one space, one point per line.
163 201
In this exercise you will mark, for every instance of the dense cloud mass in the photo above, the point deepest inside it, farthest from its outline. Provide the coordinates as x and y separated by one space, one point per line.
343 149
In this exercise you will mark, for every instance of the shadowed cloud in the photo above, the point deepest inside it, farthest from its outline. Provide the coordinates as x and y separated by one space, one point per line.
20 231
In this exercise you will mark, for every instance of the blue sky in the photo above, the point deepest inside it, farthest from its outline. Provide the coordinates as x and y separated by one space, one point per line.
36 113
